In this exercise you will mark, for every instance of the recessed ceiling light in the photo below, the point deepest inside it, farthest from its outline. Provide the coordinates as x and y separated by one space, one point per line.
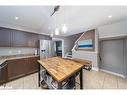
56 31
110 16
64 28
16 18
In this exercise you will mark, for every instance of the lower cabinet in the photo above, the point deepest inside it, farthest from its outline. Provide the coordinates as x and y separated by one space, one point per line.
3 72
21 67
32 65
16 68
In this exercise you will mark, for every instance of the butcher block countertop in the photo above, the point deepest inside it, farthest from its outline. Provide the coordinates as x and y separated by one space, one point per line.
60 68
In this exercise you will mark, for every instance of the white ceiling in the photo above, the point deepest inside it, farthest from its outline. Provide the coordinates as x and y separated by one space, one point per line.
77 18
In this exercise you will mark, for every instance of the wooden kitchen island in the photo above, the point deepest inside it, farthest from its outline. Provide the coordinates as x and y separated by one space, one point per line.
61 69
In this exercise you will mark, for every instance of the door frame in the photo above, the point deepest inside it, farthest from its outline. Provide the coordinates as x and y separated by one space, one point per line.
124 63
62 40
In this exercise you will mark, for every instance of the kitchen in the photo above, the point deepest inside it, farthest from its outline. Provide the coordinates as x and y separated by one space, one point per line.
19 63
42 47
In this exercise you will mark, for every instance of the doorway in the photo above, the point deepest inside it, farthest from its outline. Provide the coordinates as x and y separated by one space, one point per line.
112 56
59 47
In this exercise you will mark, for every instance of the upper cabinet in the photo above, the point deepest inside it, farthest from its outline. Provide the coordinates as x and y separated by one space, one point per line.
5 37
44 37
17 38
33 40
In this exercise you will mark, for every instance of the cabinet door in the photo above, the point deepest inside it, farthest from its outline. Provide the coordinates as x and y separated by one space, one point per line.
44 37
20 39
3 73
32 65
5 37
33 40
16 68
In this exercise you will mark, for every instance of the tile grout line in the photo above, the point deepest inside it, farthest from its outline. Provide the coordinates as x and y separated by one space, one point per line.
23 83
117 84
103 81
34 79
4 86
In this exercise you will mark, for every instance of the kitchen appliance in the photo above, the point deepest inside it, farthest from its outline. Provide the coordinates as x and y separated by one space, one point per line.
46 49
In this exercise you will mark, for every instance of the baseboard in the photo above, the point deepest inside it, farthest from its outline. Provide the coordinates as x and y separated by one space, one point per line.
120 75
95 68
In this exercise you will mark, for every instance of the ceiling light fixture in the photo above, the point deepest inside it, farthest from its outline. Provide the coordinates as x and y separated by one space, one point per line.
56 31
110 16
64 28
16 18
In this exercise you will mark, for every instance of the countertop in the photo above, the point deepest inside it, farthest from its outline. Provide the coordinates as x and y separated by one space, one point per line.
5 58
60 68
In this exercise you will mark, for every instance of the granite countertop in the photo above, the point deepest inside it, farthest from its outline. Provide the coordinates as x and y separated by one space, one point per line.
5 58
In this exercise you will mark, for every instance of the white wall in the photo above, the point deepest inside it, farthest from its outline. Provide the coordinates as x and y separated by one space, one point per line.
113 30
89 55
107 31
6 51
92 56
125 63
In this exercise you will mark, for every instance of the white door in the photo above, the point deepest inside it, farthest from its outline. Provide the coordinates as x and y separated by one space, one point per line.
112 55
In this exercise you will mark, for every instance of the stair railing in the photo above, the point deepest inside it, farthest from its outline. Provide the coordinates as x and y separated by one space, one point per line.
75 44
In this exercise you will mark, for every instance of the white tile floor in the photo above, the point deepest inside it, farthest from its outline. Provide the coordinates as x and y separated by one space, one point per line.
102 80
92 80
28 82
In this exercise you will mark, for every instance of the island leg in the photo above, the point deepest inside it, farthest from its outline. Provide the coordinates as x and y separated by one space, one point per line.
60 85
81 78
39 75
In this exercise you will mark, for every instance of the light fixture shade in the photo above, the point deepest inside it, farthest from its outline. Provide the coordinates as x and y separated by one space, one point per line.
64 28
16 18
56 31
110 16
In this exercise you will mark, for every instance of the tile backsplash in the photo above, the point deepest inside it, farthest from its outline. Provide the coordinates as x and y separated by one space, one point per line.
6 51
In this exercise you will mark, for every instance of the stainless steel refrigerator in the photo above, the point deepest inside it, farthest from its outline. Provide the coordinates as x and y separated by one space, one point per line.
46 49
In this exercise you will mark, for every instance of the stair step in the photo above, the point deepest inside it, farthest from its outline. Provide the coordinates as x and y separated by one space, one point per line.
69 56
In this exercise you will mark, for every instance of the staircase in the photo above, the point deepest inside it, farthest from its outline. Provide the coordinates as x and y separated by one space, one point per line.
76 43
69 53
90 55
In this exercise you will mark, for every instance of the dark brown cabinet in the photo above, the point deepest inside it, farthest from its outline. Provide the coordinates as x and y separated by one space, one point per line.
5 37
16 68
33 40
44 37
21 67
32 65
19 39
3 72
